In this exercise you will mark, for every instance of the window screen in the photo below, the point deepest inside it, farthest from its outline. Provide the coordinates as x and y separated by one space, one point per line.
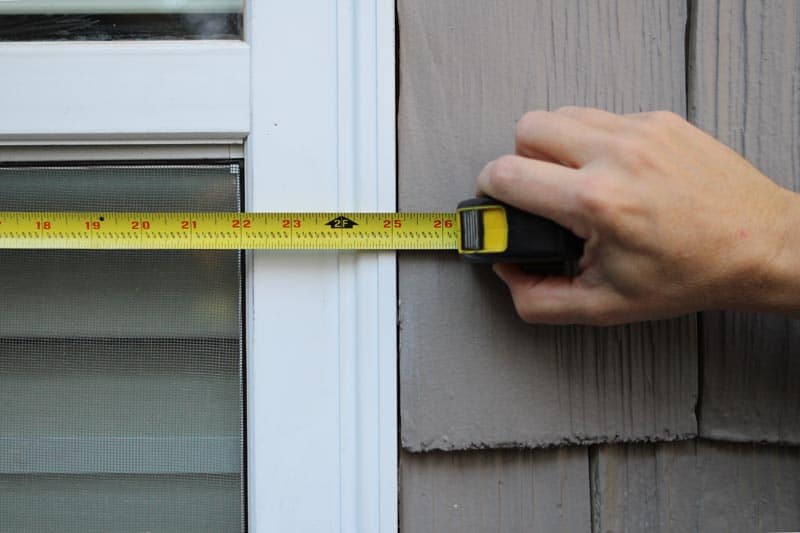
107 20
121 400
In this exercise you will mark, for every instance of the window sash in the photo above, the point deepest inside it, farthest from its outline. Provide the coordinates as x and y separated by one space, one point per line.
131 91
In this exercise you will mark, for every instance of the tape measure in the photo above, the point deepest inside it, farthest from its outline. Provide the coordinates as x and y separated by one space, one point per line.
481 229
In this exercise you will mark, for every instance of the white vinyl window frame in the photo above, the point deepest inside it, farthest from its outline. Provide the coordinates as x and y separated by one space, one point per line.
322 349
310 95
78 92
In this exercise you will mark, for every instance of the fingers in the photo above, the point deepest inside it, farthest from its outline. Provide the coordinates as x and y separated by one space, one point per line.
554 299
540 187
603 120
560 138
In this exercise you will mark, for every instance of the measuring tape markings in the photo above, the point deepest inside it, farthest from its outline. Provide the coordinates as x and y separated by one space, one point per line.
229 230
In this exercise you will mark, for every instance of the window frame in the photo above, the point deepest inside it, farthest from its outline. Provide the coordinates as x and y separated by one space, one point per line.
322 138
310 94
92 91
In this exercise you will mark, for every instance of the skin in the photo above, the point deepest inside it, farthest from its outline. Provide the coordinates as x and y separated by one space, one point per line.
674 221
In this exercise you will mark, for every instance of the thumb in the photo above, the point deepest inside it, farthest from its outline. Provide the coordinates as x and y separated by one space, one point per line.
551 299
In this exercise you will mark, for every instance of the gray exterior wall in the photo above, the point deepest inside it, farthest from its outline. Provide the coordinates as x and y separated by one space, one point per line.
745 90
484 397
472 374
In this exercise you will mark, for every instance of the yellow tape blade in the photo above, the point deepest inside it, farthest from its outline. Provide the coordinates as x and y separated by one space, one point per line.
229 231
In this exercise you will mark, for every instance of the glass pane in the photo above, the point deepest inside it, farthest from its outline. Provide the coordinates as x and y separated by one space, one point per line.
120 371
107 20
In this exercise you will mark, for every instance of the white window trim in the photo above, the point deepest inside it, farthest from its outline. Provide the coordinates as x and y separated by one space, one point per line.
313 92
321 346
90 91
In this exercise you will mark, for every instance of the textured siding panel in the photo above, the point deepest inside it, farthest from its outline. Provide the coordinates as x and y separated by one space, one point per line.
745 90
695 486
504 491
472 374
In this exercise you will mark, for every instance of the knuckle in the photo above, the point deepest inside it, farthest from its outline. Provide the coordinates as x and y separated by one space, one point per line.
655 123
503 174
665 117
525 310
529 122
530 311
534 311
594 196
571 110
632 151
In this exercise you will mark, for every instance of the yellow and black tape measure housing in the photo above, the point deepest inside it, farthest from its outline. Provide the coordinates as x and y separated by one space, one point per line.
491 232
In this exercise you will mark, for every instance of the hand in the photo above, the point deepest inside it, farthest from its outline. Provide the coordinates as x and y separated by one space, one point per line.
674 221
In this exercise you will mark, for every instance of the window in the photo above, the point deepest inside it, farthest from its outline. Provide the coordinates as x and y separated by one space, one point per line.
305 106
120 371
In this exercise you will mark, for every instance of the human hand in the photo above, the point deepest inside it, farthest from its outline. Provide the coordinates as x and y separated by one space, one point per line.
674 221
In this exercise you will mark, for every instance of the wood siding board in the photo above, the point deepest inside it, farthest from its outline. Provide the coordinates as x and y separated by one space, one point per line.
472 374
745 90
696 486
495 490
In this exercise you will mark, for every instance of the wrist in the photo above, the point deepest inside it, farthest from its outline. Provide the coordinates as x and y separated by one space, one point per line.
775 266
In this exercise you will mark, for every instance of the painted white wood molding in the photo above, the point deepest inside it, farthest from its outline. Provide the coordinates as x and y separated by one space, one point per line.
125 90
321 347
